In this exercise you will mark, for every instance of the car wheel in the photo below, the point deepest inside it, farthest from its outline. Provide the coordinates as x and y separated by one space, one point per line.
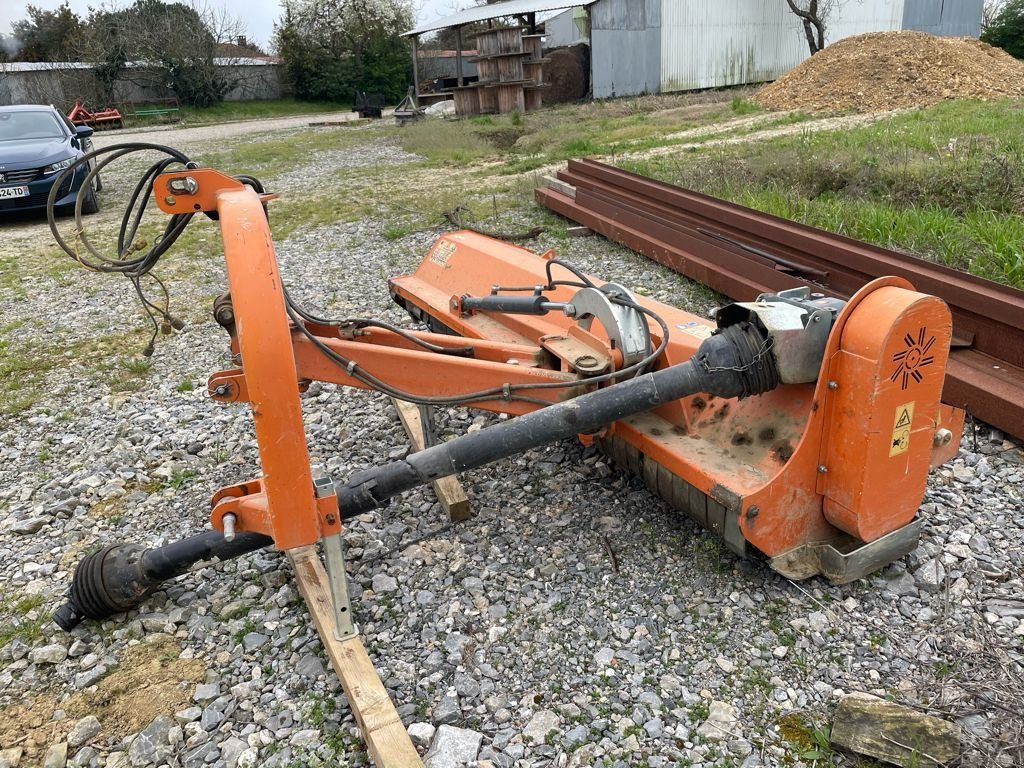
91 203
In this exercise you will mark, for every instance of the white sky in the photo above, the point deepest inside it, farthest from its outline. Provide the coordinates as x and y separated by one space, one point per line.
257 15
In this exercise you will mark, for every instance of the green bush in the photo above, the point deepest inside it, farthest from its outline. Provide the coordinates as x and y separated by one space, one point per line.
331 48
1007 30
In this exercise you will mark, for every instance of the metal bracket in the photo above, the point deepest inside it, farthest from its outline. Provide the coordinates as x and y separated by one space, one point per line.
626 327
334 555
798 324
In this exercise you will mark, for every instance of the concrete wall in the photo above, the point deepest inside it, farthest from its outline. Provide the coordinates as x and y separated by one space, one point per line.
626 44
957 18
62 85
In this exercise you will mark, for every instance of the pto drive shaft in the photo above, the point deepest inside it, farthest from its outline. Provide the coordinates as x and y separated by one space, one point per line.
735 362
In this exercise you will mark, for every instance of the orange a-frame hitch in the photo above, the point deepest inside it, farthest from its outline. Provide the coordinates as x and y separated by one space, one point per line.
278 362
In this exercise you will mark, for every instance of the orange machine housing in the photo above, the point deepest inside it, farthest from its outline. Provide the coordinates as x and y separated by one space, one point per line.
801 466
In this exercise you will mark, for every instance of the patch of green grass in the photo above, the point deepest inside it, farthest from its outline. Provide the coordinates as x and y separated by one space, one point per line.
742 106
243 110
180 479
267 155
445 141
946 183
25 621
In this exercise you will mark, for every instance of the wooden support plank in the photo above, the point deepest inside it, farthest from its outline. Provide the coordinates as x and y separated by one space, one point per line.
386 739
448 489
559 186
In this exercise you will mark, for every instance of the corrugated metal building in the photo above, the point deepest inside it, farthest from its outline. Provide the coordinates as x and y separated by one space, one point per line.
650 46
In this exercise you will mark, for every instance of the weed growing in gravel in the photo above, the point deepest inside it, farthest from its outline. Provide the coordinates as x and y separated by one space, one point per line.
25 622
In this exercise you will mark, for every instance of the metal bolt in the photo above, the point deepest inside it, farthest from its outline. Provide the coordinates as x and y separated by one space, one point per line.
221 390
169 199
183 185
822 469
753 512
228 521
833 384
942 437
331 519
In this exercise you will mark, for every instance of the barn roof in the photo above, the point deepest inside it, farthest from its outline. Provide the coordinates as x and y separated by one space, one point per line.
494 11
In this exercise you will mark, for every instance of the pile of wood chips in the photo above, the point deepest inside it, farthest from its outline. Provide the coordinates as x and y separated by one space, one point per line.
895 70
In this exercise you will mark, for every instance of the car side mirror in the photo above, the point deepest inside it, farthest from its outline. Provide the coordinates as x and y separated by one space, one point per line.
83 131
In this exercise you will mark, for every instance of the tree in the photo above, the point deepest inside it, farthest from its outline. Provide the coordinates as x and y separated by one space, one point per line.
330 48
990 11
1006 30
815 15
173 47
46 35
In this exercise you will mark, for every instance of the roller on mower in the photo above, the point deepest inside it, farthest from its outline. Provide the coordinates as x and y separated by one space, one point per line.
798 425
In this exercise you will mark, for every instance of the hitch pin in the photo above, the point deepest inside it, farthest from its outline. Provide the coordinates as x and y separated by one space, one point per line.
228 521
183 185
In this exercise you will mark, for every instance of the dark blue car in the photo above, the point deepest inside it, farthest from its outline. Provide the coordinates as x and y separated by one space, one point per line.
36 144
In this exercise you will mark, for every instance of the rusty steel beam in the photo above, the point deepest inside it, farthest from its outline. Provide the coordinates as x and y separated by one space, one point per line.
741 253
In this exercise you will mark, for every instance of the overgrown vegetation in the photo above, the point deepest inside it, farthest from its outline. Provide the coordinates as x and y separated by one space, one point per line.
331 48
946 183
1006 29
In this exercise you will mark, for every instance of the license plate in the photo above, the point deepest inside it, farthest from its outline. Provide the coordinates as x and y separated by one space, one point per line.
6 192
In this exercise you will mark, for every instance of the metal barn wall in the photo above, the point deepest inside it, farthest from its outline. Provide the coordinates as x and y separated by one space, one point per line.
562 30
711 44
955 18
626 47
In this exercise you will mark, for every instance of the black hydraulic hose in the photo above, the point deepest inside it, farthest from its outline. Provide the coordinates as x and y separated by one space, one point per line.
733 363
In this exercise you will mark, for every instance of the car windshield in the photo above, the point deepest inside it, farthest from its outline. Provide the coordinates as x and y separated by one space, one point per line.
29 125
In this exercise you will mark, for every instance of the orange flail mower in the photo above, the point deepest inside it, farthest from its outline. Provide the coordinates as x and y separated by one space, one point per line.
798 426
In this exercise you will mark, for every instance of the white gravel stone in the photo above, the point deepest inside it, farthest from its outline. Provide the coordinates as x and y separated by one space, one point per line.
48 654
453 748
540 725
84 730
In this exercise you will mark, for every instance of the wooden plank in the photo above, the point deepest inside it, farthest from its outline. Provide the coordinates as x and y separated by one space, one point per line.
559 186
447 489
386 739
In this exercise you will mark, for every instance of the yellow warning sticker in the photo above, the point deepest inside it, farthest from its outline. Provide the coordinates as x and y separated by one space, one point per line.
902 423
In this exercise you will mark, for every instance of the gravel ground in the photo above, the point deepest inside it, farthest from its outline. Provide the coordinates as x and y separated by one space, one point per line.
515 635
216 131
